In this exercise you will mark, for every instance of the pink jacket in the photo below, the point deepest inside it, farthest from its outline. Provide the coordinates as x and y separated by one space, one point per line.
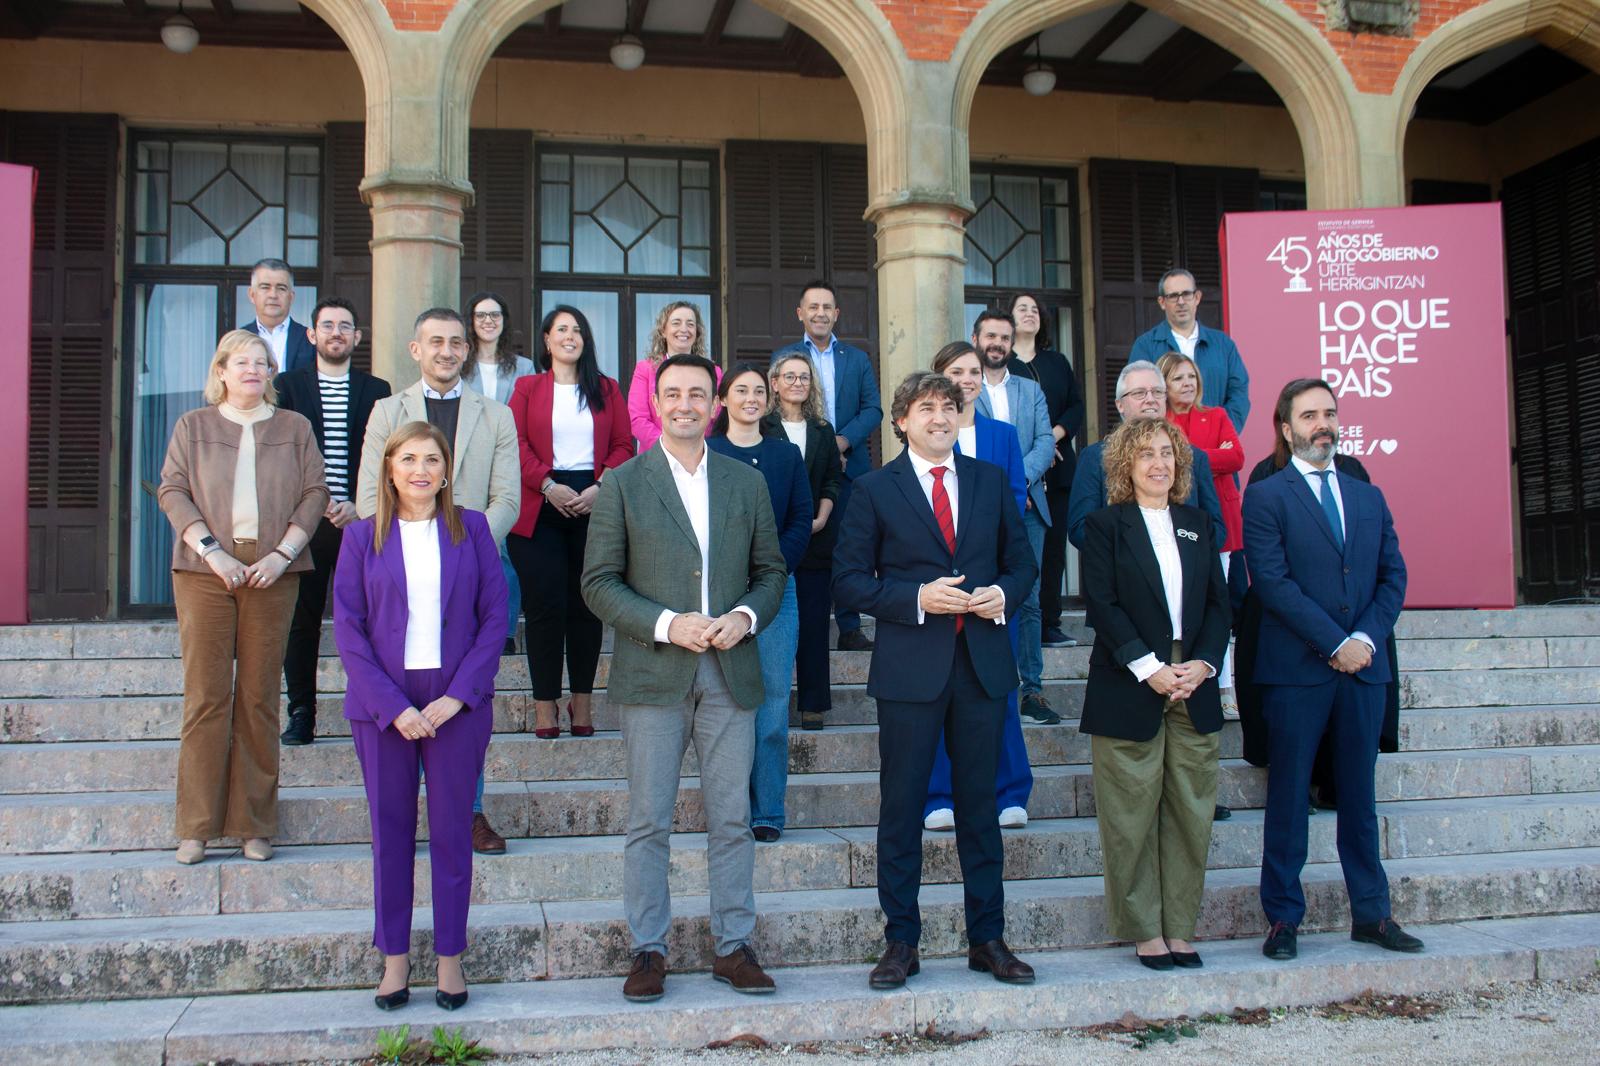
646 426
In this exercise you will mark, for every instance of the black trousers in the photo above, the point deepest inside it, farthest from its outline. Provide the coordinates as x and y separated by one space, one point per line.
1053 571
305 628
812 597
908 736
549 568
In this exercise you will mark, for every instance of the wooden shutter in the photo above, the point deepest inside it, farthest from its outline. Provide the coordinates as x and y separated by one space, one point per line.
1135 233
1428 191
1204 195
70 358
347 241
497 230
777 216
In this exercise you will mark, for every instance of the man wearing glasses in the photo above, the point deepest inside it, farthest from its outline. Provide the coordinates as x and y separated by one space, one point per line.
1222 372
338 400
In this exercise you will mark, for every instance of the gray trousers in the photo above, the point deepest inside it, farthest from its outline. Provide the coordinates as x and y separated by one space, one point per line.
724 740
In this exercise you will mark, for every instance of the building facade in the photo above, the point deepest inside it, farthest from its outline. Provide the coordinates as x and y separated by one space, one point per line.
404 153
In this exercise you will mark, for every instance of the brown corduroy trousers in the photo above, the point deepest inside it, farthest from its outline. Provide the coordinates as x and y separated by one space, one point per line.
228 745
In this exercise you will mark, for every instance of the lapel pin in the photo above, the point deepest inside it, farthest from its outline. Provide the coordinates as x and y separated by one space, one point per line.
1189 533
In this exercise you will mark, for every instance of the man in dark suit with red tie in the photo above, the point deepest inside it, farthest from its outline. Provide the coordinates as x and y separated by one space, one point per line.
932 546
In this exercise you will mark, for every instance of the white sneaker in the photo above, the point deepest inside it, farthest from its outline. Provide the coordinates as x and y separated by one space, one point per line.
1230 705
1013 818
940 820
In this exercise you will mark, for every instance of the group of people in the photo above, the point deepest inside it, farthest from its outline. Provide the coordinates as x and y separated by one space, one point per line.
751 513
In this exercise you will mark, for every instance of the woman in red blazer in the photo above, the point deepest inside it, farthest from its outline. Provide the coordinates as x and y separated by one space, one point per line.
1212 431
572 426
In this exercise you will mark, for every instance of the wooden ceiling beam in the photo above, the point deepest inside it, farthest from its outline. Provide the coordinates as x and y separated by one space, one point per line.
1107 35
1186 65
139 8
225 9
552 21
636 13
717 23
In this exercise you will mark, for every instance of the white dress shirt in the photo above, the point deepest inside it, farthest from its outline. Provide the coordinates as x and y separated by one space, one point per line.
1315 481
1165 543
925 479
277 338
571 429
1186 345
419 545
489 376
999 402
430 394
824 360
694 489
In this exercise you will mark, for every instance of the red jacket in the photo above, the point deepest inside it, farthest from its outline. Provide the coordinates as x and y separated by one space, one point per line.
1209 428
531 402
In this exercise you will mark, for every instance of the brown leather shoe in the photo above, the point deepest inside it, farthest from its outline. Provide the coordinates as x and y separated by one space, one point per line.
485 841
740 969
899 962
647 980
995 958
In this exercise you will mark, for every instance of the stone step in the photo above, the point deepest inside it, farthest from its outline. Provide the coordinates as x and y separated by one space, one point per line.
157 957
136 820
339 876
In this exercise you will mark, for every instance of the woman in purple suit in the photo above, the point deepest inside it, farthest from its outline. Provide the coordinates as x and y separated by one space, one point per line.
419 617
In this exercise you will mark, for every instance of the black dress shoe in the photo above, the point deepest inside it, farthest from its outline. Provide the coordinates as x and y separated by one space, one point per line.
398 998
511 646
899 962
1053 637
1188 960
995 958
854 640
812 719
1221 814
1163 961
1281 942
302 727
1386 934
766 833
450 1000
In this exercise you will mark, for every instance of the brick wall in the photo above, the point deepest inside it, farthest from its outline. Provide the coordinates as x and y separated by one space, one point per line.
424 16
929 29
1374 61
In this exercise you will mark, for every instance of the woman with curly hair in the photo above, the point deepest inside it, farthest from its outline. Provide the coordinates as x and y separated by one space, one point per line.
1158 604
679 330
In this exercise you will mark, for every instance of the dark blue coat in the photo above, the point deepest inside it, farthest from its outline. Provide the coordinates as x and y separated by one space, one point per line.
779 461
298 352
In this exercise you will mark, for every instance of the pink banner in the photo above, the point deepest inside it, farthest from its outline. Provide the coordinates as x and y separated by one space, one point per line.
16 272
1402 312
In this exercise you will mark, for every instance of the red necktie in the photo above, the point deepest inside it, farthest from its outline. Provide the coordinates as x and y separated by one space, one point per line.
947 522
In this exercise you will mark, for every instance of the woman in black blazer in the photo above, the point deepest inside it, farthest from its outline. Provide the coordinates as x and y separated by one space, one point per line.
797 414
1158 604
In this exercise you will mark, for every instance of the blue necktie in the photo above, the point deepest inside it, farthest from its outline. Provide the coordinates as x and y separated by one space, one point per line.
1330 508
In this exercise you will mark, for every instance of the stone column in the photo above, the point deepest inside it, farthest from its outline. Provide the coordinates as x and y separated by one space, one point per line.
920 279
416 264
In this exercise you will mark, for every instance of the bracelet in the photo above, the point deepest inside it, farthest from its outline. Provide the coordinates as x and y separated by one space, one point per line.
286 555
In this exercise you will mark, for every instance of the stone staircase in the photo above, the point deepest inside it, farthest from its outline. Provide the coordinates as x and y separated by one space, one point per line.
111 951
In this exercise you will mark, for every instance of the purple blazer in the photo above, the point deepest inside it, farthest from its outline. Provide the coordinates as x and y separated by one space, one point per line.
370 611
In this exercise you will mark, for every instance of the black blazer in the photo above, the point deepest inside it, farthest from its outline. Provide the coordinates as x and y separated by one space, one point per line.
1128 612
298 392
890 545
824 473
298 351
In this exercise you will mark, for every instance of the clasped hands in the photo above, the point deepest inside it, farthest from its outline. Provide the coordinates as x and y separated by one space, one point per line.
258 575
414 724
698 633
572 504
1352 657
1177 681
941 596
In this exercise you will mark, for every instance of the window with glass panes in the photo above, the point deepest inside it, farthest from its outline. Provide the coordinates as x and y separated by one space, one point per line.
620 234
203 208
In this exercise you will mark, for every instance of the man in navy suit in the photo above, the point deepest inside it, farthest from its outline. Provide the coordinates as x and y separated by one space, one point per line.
272 295
933 547
1326 563
850 394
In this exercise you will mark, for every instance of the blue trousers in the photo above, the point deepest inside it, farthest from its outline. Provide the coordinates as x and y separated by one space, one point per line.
769 770
1013 777
1351 711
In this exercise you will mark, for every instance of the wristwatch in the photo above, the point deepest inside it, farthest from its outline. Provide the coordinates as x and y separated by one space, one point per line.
208 544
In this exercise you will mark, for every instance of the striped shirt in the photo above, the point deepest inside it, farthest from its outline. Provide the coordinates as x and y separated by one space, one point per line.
336 433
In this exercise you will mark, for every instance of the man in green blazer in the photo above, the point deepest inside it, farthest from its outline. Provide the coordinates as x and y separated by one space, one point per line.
683 562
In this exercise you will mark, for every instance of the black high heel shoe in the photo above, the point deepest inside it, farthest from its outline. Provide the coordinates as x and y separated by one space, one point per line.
450 1000
396 999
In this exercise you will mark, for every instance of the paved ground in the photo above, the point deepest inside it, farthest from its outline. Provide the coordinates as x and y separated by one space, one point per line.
1508 1025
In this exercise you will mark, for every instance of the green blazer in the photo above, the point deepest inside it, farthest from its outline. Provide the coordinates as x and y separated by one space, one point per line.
643 558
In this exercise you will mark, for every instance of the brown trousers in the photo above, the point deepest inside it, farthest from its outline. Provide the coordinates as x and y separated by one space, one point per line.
228 746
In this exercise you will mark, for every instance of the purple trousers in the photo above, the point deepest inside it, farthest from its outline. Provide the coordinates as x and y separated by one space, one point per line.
391 765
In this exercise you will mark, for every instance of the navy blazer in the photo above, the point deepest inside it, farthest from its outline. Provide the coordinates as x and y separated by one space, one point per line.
298 351
997 444
857 406
370 611
1312 594
1128 610
890 545
298 391
1089 493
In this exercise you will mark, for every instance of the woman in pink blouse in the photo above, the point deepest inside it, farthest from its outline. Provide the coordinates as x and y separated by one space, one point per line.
679 330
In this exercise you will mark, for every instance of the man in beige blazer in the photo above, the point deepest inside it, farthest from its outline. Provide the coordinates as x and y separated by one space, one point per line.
487 473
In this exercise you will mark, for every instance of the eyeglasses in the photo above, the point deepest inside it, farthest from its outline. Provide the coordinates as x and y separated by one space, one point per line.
795 379
487 316
344 328
1182 297
1140 394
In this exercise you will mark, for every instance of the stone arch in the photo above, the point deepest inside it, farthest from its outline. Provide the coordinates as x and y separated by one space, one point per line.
1568 26
1283 47
363 28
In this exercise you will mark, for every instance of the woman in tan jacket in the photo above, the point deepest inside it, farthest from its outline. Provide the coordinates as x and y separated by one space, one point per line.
243 488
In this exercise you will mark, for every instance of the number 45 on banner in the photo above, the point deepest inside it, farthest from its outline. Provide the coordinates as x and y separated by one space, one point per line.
1281 254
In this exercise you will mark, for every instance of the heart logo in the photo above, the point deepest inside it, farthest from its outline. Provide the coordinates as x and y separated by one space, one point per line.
1388 446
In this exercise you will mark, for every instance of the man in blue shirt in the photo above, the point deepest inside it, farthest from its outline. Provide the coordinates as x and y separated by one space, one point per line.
1227 385
850 394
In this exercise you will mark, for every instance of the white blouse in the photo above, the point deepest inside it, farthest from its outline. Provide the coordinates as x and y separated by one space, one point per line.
1165 542
571 429
419 545
796 432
